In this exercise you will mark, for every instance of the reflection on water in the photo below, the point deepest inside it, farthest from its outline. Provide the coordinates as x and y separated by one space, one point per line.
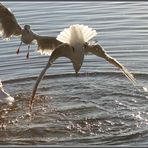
100 106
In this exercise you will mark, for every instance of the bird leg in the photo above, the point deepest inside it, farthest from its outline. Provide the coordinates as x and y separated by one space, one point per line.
27 56
18 49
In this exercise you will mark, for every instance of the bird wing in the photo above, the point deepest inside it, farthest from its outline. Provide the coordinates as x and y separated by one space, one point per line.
8 23
46 44
63 50
99 51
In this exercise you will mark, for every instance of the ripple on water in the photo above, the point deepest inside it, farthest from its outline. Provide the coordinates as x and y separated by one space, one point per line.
70 110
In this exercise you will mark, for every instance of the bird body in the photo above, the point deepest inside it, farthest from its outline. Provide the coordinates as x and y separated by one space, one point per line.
77 56
27 35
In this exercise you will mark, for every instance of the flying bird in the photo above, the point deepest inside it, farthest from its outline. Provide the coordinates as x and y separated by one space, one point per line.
5 98
74 46
9 27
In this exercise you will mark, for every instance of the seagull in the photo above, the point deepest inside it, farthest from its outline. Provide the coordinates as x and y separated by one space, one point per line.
9 27
5 98
75 44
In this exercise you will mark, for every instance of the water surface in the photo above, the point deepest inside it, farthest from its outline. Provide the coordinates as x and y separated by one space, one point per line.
100 107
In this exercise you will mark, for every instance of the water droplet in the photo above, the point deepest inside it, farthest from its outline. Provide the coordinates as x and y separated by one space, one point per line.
28 115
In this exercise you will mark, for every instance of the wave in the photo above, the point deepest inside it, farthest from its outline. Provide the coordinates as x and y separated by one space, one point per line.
91 74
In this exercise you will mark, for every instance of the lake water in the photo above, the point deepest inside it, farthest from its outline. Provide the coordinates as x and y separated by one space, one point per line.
100 106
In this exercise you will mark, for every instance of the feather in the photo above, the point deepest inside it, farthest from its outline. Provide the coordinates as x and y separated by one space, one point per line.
46 44
76 34
45 51
9 25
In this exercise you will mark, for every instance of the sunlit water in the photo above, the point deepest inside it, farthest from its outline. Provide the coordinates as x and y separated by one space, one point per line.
100 106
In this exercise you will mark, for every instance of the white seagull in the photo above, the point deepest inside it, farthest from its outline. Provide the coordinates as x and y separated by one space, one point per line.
74 45
5 98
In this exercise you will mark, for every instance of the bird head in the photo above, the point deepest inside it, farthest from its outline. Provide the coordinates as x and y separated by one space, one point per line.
27 28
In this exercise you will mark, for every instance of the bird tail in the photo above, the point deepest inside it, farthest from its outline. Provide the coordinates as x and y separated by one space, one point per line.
76 34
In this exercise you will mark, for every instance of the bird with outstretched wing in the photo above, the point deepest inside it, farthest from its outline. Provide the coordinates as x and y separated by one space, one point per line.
75 44
9 27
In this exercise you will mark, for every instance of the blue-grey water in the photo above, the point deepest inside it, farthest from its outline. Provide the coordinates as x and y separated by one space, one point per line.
100 106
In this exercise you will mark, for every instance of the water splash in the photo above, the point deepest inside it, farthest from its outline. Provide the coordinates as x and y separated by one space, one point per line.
145 88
